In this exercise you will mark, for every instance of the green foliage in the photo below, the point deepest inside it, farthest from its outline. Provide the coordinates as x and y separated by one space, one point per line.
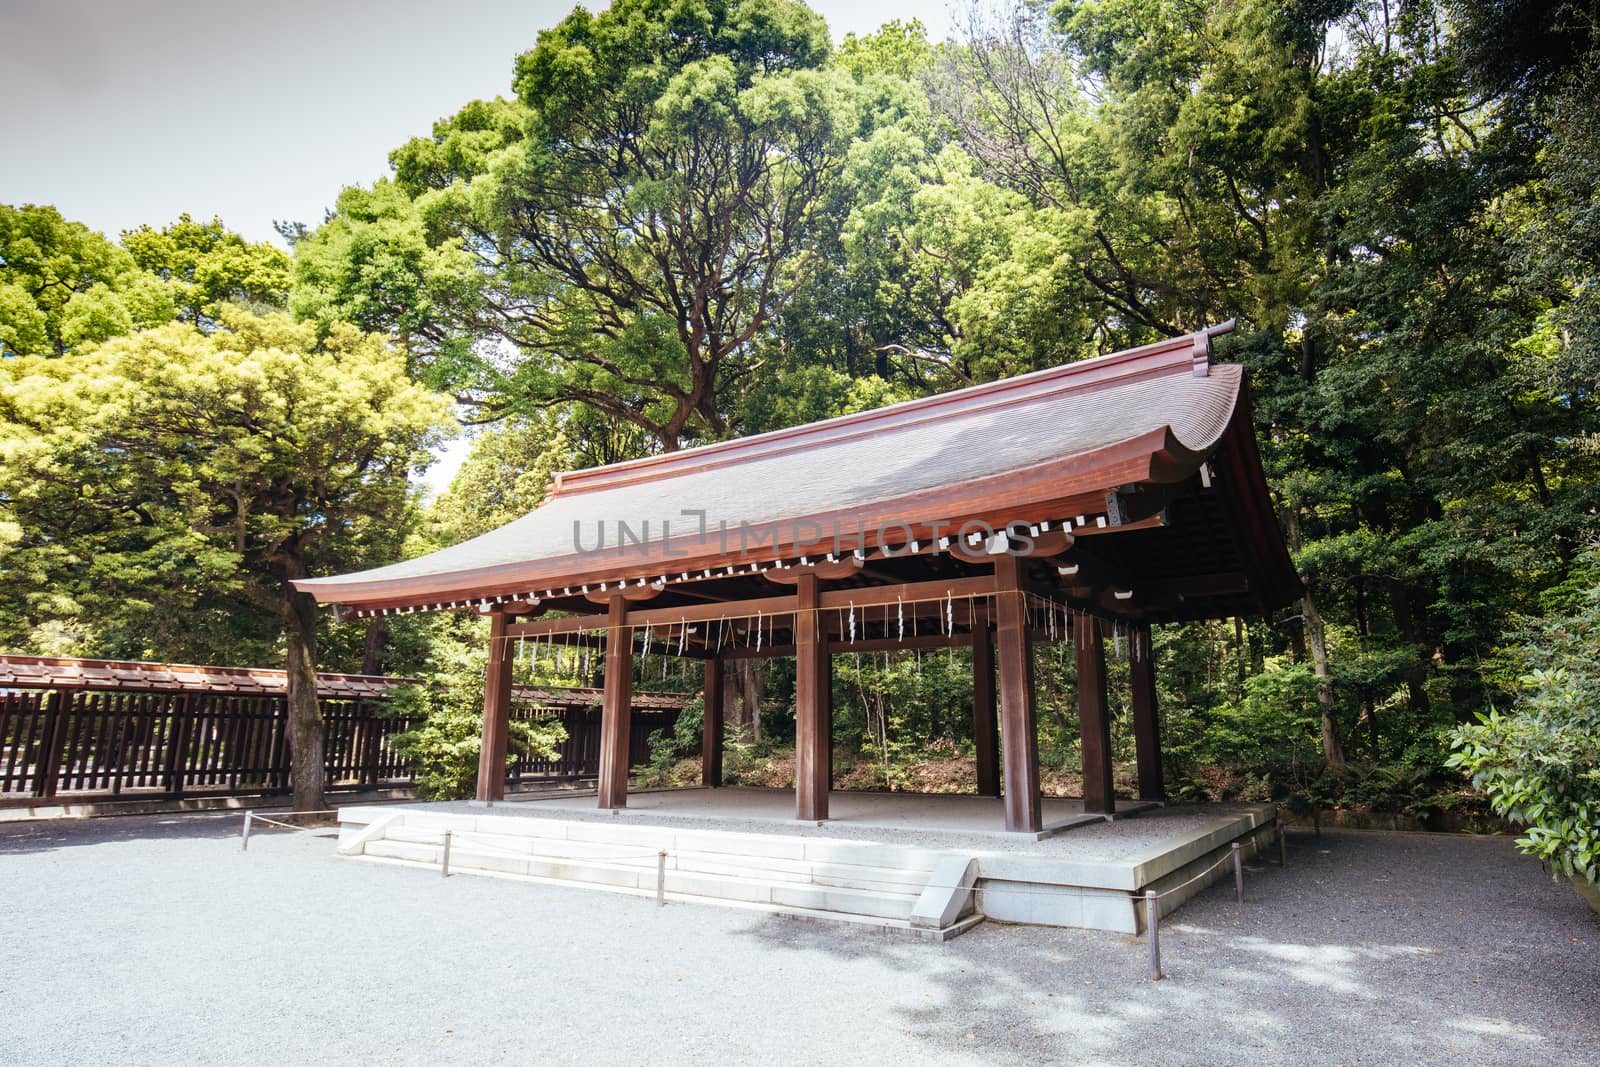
204 266
1539 761
446 708
628 224
169 484
63 286
503 478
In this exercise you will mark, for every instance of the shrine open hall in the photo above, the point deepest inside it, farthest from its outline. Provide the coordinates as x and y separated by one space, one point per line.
1065 505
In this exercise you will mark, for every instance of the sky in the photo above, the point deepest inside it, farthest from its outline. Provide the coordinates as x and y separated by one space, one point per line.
122 112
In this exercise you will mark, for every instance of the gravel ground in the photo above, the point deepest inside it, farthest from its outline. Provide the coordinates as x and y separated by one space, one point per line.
154 940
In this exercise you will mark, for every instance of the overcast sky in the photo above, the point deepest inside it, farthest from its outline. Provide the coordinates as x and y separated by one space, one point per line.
121 112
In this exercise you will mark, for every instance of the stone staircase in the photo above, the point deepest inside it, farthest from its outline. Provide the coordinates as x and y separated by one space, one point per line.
917 891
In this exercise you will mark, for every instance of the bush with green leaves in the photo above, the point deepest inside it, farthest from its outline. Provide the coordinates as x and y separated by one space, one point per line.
1539 762
447 736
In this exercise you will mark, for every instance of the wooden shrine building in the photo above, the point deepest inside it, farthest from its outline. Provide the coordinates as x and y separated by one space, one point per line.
1063 505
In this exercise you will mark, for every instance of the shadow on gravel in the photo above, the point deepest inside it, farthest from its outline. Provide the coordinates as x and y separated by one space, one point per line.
1368 948
48 835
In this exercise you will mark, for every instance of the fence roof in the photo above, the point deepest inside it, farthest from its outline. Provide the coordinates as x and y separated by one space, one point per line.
106 675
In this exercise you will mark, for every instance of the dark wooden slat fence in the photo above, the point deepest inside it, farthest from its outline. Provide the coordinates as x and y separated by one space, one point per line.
94 744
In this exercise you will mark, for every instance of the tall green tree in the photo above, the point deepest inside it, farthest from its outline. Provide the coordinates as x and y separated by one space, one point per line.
630 224
253 455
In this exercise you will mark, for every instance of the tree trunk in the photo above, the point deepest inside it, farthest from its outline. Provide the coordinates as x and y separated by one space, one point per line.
1317 638
307 759
748 683
376 641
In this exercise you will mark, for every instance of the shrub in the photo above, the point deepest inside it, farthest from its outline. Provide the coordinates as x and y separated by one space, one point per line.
1539 763
444 745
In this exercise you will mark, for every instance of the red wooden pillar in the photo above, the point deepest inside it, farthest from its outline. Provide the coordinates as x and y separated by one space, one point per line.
1094 720
496 713
1146 720
813 706
711 726
985 727
1019 735
616 710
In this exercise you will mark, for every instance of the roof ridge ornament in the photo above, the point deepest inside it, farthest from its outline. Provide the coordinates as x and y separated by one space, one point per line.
1202 353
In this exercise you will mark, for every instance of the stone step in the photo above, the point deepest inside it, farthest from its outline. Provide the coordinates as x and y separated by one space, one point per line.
656 837
747 887
770 868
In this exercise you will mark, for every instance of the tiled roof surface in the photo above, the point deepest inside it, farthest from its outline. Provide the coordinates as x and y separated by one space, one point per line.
830 467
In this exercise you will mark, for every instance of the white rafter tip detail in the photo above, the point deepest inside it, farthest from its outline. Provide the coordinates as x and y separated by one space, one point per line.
999 543
1067 571
1122 594
1100 521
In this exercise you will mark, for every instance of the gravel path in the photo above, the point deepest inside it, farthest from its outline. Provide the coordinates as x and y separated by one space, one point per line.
155 940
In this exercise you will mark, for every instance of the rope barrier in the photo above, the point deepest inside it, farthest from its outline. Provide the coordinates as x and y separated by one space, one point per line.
1152 899
252 817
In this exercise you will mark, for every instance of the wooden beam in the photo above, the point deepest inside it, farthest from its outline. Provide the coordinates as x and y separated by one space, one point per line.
848 567
1094 720
772 605
1019 736
1146 719
711 726
911 592
985 727
813 702
496 713
633 594
616 710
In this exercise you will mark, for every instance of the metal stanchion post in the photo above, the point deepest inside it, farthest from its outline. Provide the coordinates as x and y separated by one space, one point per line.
444 860
661 879
244 842
1238 872
1152 921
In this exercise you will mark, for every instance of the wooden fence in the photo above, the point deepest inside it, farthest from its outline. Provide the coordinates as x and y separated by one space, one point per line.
96 744
121 744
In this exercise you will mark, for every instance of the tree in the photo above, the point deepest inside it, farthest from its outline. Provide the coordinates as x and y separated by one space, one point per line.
62 285
205 265
632 223
257 453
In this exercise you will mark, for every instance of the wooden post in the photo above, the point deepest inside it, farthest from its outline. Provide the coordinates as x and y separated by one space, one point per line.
1094 721
711 726
616 712
1146 720
496 713
813 704
183 712
985 728
52 742
1019 735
